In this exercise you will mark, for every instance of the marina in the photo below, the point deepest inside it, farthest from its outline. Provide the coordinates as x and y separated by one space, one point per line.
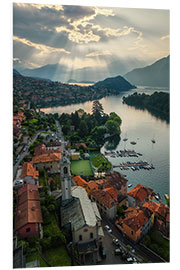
134 166
123 153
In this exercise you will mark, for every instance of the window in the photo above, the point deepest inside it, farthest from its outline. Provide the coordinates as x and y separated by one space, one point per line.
80 237
28 229
85 230
91 235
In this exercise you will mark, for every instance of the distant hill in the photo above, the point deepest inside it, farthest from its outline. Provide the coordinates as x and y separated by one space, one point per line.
15 72
116 83
156 74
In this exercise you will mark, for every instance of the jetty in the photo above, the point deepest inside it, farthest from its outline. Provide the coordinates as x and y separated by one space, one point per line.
123 153
135 165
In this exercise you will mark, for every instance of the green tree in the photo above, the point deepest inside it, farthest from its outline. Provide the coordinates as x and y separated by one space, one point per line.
112 127
83 129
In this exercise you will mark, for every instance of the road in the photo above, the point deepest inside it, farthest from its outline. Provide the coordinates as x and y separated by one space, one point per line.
24 153
141 251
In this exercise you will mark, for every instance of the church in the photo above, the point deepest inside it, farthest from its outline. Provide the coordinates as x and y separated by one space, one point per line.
80 217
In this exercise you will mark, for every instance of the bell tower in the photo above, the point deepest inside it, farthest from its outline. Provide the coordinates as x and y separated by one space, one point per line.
65 176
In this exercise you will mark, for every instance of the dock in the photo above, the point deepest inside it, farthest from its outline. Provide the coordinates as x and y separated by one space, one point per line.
135 165
123 153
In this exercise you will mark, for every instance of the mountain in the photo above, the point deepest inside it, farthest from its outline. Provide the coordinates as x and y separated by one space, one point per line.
156 74
61 72
15 72
116 83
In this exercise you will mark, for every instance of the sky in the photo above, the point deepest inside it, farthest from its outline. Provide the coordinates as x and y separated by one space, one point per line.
98 38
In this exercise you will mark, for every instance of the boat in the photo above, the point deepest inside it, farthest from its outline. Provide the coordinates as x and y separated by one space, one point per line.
153 141
133 142
156 197
125 139
130 185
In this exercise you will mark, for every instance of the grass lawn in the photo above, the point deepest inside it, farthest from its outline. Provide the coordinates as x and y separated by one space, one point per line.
100 162
58 256
81 167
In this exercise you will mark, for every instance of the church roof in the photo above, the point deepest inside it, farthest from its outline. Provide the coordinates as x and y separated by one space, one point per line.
79 212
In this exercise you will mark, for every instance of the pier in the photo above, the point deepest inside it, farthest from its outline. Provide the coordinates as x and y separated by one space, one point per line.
135 165
123 153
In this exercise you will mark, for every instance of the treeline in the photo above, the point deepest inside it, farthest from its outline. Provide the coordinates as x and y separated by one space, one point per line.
157 103
90 128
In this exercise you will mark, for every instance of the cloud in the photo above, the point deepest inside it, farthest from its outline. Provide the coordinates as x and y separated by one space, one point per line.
99 53
40 47
40 6
164 37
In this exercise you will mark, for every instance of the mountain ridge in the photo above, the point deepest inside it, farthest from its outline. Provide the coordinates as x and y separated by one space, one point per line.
156 74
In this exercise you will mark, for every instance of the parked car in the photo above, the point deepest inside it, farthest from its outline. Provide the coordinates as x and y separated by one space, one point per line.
18 182
130 260
116 241
108 229
117 251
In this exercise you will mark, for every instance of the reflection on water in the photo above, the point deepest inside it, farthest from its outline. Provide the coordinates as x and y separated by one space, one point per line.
139 126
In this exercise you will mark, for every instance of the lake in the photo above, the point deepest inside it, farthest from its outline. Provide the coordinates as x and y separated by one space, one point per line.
139 126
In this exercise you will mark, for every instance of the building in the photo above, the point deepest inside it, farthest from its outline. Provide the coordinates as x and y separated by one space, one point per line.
80 216
105 203
80 181
30 174
138 195
28 218
161 216
136 224
49 162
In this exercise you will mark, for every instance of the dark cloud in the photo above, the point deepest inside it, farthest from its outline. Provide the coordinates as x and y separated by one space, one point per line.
77 12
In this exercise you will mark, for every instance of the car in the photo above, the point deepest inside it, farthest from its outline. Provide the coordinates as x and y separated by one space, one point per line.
102 252
116 241
18 182
117 251
130 260
108 229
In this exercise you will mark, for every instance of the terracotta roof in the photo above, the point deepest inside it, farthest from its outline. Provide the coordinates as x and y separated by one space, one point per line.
41 149
29 170
153 206
112 192
103 197
140 192
92 185
28 207
50 157
135 220
161 209
79 181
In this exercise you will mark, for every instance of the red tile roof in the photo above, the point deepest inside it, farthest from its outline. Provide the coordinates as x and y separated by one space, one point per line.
80 181
135 220
50 157
92 185
112 192
140 192
28 207
104 197
161 209
29 170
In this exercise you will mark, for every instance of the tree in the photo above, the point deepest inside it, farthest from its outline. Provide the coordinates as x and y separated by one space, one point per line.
98 111
112 127
83 129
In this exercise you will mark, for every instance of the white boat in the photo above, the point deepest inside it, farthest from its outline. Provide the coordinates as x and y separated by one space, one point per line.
130 185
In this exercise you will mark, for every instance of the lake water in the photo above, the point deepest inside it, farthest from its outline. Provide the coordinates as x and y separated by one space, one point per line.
141 127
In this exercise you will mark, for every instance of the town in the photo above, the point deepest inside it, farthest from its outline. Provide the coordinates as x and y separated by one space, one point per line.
70 207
